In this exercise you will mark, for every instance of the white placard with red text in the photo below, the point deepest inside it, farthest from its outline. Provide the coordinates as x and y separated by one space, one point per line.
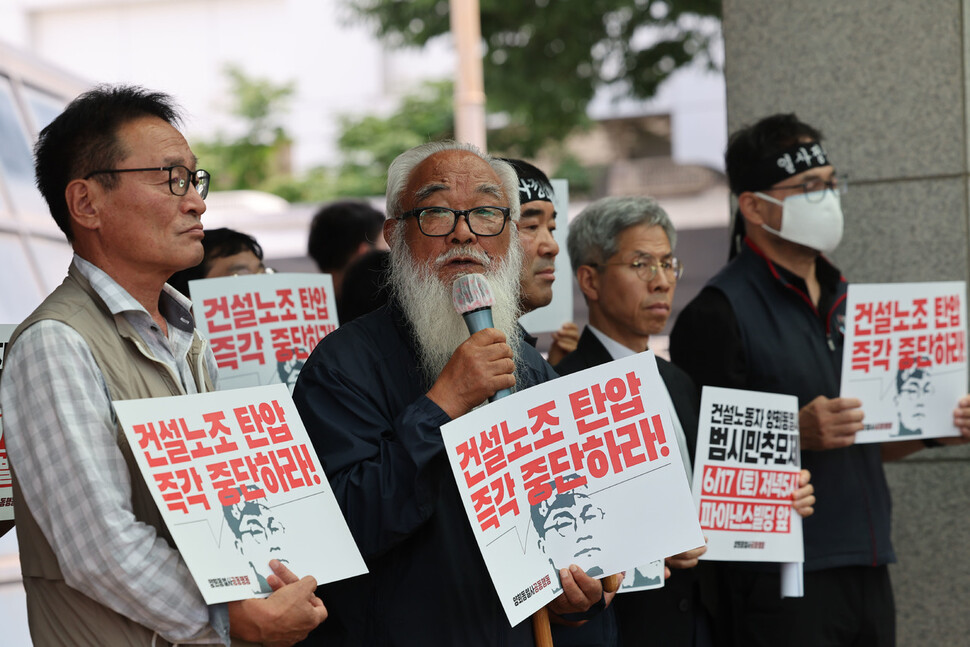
238 484
262 327
584 469
6 487
905 358
745 471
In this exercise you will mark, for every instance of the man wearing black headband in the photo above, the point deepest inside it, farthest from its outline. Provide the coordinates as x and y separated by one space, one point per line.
539 251
773 320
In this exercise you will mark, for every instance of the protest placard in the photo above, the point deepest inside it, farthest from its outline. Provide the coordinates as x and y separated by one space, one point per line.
745 471
581 470
6 484
238 484
262 327
905 358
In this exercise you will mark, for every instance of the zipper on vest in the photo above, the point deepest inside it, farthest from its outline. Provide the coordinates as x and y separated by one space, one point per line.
176 380
199 377
200 371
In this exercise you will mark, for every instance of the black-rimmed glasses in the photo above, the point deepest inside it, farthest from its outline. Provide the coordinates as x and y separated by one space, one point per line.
179 178
647 267
441 221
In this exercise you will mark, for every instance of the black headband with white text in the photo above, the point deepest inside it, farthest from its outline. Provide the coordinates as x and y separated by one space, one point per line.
782 165
533 188
533 183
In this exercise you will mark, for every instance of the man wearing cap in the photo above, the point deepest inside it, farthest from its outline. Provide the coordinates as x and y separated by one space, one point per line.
773 320
539 251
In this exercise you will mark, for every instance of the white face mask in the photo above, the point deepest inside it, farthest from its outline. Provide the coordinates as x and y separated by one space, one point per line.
815 223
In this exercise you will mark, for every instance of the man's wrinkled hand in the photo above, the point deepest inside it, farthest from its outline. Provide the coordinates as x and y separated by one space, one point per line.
829 423
961 420
564 341
579 593
481 366
286 617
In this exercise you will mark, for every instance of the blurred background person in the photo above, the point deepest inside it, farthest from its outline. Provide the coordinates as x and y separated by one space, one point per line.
622 252
340 233
227 253
365 285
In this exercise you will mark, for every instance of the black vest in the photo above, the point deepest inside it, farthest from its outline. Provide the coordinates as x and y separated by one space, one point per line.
790 348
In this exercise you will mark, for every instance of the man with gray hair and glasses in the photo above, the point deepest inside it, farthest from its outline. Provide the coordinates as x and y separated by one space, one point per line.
621 249
375 392
622 252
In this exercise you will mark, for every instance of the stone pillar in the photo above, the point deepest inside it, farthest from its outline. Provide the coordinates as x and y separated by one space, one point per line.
887 83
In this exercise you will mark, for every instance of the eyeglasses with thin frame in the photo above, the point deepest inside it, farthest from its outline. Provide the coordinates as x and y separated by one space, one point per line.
441 221
179 177
647 267
814 189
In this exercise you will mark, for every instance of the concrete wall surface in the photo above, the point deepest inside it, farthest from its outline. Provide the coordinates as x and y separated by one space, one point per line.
886 82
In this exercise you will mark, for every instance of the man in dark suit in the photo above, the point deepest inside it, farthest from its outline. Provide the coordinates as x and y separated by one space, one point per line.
621 249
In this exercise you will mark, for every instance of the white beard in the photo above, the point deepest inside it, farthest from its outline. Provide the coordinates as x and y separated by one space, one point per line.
427 303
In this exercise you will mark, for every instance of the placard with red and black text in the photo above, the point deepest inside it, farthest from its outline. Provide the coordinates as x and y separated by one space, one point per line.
905 357
746 469
581 470
238 484
262 327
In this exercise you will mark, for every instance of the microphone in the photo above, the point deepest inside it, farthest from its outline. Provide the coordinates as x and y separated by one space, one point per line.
473 300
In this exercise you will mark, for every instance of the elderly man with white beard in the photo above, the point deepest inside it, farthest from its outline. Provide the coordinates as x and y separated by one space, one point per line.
374 394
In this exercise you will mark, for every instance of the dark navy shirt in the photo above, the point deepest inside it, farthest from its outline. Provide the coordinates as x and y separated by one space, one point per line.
362 399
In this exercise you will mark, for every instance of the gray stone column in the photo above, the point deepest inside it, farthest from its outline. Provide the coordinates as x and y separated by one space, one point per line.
887 83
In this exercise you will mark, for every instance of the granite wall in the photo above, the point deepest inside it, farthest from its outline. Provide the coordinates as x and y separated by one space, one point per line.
887 83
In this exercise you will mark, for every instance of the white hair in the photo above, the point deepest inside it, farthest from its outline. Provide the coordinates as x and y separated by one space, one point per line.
400 170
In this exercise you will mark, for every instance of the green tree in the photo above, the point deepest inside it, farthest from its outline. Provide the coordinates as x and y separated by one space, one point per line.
369 144
546 58
260 155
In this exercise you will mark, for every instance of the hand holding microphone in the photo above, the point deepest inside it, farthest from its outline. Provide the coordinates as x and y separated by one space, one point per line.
472 297
482 367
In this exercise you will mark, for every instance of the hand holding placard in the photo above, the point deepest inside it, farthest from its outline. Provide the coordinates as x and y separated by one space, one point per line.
829 423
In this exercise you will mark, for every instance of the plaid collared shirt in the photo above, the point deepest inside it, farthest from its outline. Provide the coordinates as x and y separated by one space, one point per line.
59 428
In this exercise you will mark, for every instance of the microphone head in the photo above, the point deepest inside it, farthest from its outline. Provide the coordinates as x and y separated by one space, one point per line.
471 292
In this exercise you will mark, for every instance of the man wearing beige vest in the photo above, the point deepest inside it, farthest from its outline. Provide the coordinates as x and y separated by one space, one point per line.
99 565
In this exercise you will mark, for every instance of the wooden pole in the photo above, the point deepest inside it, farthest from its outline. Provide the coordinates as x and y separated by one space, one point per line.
540 619
466 30
541 629
611 583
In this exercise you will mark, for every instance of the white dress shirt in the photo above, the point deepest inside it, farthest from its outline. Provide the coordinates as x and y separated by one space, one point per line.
619 351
